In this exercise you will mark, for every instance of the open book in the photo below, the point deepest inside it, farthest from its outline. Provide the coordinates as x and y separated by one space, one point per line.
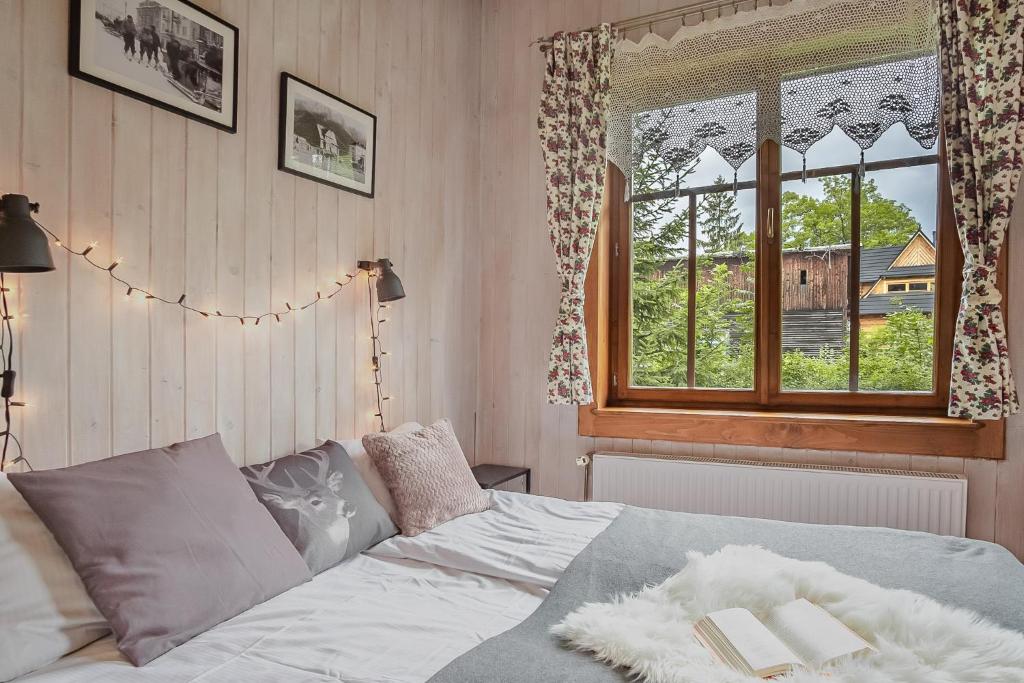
797 634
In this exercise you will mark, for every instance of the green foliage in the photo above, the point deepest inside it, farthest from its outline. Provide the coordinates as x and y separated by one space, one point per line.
812 222
720 222
724 330
898 355
894 357
829 370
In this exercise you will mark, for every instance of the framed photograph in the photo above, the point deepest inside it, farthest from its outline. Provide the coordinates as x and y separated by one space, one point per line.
169 53
324 138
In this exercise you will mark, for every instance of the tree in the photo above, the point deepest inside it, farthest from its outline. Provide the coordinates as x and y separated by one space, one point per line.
720 222
894 357
660 234
898 355
811 222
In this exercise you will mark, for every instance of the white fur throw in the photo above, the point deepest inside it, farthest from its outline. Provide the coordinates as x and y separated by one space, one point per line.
650 633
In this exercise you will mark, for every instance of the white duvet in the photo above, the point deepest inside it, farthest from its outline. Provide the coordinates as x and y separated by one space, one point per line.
398 613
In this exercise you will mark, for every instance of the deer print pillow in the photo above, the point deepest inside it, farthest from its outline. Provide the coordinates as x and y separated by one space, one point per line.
322 504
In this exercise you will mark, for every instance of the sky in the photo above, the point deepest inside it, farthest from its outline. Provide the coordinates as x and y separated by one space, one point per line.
915 187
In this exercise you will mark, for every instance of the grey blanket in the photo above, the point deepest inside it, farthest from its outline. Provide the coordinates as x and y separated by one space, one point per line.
647 546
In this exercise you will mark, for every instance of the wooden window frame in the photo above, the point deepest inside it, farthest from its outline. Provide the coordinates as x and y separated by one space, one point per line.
913 423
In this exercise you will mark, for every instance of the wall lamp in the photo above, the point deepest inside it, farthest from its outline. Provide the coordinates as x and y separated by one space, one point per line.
389 287
24 248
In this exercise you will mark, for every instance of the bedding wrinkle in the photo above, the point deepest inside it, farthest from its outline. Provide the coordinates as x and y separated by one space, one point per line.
397 613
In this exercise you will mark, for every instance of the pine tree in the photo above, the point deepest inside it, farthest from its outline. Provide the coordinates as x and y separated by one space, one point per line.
720 222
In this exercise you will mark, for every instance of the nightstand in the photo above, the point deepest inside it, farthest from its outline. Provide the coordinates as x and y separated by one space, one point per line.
493 476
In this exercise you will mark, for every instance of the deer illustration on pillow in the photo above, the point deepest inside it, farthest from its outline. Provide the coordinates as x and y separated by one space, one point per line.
322 525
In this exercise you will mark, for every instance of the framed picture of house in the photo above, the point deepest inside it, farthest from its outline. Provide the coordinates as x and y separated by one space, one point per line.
324 138
169 53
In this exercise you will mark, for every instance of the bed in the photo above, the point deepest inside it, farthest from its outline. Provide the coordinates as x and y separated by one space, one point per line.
397 613
478 594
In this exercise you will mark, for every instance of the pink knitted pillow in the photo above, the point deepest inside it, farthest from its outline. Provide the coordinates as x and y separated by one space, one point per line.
427 475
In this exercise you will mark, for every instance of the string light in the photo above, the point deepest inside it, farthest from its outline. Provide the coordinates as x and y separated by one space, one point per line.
8 377
254 318
378 352
375 321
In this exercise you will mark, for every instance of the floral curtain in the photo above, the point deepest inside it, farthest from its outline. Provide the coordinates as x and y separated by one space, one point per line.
982 47
572 121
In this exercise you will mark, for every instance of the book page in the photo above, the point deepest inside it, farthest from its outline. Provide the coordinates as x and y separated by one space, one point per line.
762 651
813 634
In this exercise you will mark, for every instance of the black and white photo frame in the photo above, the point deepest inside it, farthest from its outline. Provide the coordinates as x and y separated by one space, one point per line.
169 53
324 138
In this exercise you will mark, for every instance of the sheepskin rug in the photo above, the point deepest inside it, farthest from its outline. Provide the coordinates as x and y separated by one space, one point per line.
650 633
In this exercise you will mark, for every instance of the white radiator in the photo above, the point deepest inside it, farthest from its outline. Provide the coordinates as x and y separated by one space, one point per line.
820 494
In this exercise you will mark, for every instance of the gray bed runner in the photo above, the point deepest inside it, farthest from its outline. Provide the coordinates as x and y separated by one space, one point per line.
646 546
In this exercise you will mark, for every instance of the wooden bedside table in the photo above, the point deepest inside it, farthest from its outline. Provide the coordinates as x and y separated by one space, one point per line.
491 476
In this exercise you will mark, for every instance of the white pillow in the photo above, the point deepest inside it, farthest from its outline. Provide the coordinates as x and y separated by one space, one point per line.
45 612
368 471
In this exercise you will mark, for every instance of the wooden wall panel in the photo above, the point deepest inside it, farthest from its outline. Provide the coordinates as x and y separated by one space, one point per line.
167 275
197 211
518 290
90 296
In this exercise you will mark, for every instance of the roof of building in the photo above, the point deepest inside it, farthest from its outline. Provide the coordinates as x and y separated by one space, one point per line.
874 262
884 304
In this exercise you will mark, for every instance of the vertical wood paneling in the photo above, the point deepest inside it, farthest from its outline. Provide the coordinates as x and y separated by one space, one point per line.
308 69
11 15
42 321
364 222
201 197
327 242
518 289
131 236
167 268
206 213
282 256
398 202
346 303
90 296
261 157
231 200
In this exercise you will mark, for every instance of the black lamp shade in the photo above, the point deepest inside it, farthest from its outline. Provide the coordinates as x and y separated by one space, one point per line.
24 247
389 287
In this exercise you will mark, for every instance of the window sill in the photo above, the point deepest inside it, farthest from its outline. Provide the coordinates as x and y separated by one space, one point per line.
913 435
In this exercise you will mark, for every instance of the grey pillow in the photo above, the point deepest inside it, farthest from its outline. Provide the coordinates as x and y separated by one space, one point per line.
168 542
322 504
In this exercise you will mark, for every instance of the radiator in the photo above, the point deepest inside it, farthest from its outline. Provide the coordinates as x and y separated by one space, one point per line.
819 494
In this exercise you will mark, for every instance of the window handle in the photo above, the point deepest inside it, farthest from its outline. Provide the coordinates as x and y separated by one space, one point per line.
771 223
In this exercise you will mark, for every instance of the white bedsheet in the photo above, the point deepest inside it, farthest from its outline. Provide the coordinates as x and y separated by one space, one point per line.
399 613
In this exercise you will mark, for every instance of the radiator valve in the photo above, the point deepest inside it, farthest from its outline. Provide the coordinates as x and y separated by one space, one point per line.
582 461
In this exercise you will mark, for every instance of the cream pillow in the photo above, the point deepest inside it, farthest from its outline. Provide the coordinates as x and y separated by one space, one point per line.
368 471
427 475
45 612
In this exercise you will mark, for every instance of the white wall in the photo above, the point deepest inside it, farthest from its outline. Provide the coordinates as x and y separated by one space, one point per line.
203 212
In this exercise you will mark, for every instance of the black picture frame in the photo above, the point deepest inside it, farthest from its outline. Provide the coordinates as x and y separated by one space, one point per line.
225 118
286 138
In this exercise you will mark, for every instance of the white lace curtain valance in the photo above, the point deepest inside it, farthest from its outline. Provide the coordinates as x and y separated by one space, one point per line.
789 74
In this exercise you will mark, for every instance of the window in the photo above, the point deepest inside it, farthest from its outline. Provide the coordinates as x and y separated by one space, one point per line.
818 279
